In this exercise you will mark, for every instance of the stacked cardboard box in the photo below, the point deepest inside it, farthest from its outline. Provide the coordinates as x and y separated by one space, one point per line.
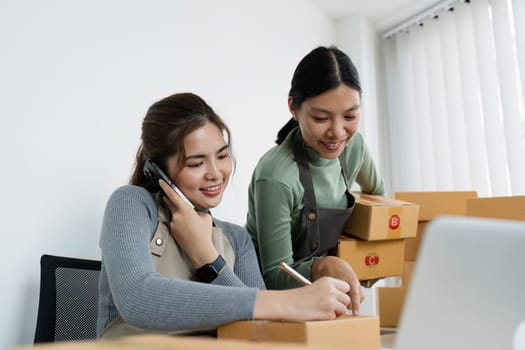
348 332
390 300
372 259
508 208
373 239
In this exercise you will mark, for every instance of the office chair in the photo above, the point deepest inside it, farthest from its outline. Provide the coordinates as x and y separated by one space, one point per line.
67 308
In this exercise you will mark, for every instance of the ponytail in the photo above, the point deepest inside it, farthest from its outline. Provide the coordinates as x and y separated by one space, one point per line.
285 130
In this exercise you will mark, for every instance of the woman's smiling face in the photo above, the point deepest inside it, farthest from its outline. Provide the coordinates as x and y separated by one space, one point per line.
207 167
329 121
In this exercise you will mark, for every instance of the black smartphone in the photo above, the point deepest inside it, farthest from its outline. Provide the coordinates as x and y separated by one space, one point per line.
154 173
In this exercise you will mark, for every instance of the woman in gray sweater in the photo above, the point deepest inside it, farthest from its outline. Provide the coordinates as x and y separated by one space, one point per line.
168 266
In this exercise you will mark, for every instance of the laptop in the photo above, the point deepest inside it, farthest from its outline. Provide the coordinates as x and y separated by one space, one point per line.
468 286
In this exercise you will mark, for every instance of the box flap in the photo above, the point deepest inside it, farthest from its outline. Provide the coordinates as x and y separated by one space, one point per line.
375 200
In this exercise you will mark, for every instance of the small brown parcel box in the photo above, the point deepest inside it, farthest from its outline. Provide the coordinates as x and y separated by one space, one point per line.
509 208
390 301
349 332
378 218
372 259
432 204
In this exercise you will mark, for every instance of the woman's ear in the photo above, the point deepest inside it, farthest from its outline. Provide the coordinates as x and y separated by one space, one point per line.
291 107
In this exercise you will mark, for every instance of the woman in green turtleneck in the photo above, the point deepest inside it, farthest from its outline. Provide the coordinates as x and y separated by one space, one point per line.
299 195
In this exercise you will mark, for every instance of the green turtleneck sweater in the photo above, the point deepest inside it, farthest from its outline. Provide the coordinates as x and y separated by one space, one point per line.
275 202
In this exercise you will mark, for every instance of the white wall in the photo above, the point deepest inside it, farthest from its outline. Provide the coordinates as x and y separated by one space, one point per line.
75 81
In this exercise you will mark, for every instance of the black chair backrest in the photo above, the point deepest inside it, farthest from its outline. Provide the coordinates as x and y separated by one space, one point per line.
68 304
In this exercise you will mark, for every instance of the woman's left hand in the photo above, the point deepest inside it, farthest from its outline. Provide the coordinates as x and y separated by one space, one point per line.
336 267
191 229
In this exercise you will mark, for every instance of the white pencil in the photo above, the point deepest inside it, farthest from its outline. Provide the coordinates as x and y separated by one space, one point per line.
294 274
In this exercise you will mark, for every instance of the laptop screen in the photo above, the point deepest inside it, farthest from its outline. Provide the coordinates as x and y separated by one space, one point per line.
468 287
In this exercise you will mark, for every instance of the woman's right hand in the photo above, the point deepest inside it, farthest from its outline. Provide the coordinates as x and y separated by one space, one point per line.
325 299
192 230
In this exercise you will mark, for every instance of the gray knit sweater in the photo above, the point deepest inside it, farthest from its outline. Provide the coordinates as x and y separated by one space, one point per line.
129 285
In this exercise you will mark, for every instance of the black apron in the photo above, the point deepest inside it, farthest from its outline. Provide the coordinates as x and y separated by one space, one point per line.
320 227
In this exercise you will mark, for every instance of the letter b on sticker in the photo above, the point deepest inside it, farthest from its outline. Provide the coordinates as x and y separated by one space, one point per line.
394 221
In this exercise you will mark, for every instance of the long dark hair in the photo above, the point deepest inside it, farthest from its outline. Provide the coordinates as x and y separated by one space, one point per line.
165 126
322 69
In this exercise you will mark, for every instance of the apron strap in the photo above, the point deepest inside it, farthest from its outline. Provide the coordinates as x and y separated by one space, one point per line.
310 210
304 173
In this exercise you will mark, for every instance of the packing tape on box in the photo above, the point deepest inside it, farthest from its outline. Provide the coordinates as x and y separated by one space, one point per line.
380 201
394 222
372 199
260 331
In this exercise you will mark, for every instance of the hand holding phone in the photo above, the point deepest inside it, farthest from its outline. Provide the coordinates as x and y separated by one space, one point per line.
153 172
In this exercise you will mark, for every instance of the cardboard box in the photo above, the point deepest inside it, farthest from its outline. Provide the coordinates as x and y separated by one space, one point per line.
390 301
432 204
372 259
379 218
412 244
408 270
350 332
509 208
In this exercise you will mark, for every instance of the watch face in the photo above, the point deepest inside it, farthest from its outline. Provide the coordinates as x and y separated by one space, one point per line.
209 272
206 274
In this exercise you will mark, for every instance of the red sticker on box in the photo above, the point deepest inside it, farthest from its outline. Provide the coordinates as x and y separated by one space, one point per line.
394 221
371 260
